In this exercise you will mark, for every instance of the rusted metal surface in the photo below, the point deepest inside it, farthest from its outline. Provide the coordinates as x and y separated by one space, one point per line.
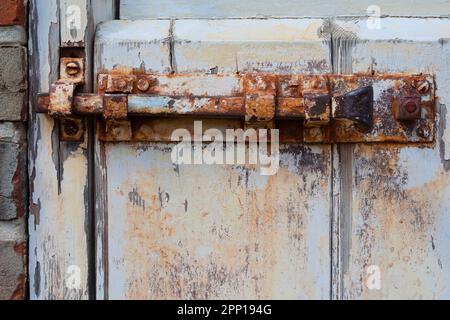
60 102
115 106
389 91
317 109
88 104
260 93
356 106
72 70
402 107
72 129
145 105
408 108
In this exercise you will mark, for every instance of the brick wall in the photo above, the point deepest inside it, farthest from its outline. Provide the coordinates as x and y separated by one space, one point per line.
13 150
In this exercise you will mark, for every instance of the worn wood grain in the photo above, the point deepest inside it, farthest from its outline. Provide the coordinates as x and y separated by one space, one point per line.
60 216
58 209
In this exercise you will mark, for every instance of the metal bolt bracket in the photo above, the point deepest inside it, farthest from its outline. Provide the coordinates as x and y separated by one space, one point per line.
317 109
326 108
61 96
356 106
316 101
115 106
116 83
408 108
260 92
72 70
71 129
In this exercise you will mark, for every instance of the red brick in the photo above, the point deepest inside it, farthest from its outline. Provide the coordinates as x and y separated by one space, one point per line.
12 12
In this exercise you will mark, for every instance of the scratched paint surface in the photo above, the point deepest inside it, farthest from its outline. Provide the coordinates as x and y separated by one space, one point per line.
206 232
144 9
399 204
57 234
391 202
218 231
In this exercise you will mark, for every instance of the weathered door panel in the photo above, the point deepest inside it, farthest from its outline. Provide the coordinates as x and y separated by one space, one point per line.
221 231
394 203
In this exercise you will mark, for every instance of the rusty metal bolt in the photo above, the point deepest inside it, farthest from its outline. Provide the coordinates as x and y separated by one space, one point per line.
423 87
71 127
120 84
73 68
143 85
424 131
410 107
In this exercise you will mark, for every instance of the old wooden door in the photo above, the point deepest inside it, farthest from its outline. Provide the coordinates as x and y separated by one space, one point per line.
337 221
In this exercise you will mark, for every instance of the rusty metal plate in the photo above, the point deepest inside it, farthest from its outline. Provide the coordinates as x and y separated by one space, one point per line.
60 101
115 106
72 70
389 94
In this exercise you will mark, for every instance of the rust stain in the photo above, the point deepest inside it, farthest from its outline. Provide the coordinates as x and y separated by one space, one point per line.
115 107
244 249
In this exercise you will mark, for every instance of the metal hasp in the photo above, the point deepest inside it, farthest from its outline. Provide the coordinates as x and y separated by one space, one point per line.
356 105
306 108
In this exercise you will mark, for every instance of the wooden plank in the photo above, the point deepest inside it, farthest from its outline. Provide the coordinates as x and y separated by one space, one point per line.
101 11
393 210
217 232
226 46
58 263
145 9
140 45
60 205
220 231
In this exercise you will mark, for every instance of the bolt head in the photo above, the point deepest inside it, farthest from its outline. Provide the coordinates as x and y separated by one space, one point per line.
72 68
71 128
411 107
423 86
120 83
143 85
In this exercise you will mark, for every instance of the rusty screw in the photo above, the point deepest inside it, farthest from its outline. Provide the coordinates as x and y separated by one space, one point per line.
410 107
71 127
72 68
423 87
143 85
120 84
